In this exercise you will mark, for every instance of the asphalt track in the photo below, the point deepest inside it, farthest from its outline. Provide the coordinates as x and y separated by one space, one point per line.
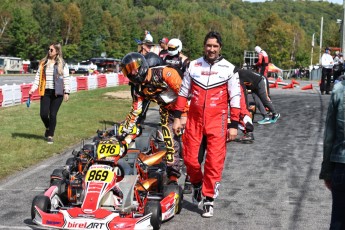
270 184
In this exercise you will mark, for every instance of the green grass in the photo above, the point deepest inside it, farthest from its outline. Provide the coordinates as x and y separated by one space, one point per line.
22 143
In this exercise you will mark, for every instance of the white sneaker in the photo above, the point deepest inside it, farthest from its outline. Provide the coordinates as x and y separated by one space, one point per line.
207 208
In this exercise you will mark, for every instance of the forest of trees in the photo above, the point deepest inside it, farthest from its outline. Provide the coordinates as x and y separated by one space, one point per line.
86 28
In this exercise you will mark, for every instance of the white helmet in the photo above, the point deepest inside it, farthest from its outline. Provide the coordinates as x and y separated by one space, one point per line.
257 49
337 52
174 46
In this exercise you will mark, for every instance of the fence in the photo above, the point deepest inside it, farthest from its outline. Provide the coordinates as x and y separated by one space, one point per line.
17 94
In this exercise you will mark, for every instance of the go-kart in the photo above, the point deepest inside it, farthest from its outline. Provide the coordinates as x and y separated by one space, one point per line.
108 186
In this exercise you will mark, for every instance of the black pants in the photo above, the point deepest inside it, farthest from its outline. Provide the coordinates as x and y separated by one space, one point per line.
326 80
338 197
50 104
262 99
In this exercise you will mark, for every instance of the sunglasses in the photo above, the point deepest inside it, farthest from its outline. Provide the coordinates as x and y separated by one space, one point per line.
51 50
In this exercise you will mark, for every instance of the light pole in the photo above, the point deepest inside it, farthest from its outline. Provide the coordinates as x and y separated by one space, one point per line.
312 49
321 29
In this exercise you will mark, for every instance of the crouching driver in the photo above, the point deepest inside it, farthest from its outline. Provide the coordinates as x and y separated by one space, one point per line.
159 84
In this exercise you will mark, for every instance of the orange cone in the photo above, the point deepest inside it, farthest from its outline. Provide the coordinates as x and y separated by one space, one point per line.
293 81
274 85
289 86
310 86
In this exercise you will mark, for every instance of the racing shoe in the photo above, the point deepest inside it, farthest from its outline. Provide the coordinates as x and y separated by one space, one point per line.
247 137
265 121
197 196
188 188
275 117
207 208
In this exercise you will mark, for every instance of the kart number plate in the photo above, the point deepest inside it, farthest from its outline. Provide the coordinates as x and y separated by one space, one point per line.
106 149
103 175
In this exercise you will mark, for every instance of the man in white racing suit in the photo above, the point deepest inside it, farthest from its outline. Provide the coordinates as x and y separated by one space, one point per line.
211 82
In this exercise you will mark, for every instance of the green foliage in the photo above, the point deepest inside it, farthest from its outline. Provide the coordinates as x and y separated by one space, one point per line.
86 28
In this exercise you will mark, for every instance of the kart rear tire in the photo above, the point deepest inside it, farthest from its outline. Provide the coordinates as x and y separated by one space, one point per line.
178 190
155 208
42 202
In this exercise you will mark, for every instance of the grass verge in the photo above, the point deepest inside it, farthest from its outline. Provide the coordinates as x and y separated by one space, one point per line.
22 143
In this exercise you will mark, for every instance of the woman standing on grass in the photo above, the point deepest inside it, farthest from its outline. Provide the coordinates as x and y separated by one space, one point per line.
53 83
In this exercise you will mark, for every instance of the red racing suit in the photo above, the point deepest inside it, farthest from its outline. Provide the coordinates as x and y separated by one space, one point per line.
262 63
211 87
161 85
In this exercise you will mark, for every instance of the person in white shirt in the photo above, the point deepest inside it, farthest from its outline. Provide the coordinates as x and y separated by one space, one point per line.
327 68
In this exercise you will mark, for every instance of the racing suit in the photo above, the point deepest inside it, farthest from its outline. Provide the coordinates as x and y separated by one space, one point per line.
262 63
161 85
211 86
179 62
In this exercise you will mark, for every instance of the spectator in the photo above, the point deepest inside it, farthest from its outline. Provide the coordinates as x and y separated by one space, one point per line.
92 68
145 47
212 83
333 164
338 66
53 82
148 37
327 67
164 47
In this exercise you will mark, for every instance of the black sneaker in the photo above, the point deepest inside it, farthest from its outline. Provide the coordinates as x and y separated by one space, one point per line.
187 188
50 140
247 137
207 208
197 196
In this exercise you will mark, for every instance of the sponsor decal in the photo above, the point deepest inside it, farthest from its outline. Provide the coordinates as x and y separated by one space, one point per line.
208 73
198 64
85 225
53 222
86 215
169 74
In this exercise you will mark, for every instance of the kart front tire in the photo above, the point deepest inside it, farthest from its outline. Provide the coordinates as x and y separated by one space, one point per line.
42 202
178 190
155 208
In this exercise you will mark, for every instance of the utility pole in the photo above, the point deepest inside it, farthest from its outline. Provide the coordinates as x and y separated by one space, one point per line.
321 37
312 50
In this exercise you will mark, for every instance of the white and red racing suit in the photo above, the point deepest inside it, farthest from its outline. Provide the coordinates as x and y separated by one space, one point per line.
262 63
161 85
211 87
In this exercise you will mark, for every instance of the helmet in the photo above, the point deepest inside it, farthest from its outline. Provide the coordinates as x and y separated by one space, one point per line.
257 49
174 46
337 52
153 59
131 62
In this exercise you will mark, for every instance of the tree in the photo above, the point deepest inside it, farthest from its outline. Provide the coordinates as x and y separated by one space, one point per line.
72 24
